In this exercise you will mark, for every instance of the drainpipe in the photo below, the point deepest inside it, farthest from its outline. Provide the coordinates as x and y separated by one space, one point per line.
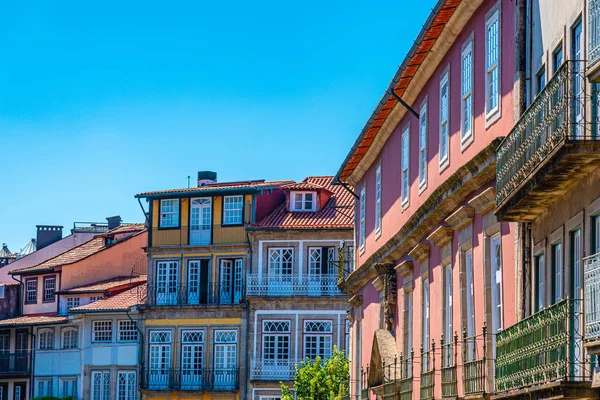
141 343
247 303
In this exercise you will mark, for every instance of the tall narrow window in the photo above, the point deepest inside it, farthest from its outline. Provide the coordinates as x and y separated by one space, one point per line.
100 385
557 273
318 339
448 338
492 63
275 345
49 287
425 326
466 131
68 387
423 145
595 234
405 165
169 213
378 198
363 200
126 385
444 118
540 78
192 357
540 283
31 288
577 102
496 282
470 303
557 58
408 325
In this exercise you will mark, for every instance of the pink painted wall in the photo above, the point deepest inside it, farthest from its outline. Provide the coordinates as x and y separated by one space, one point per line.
266 203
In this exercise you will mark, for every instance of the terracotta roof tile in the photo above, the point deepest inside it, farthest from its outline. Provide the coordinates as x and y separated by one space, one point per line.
338 213
256 184
106 285
80 252
120 302
33 320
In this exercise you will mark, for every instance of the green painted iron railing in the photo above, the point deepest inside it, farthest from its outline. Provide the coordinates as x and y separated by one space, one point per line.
364 383
591 268
448 369
474 362
545 347
398 377
427 372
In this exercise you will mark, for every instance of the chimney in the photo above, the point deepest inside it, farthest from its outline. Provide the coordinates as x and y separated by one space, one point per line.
48 234
206 177
114 222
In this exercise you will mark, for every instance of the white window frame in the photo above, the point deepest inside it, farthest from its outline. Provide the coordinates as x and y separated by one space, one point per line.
31 290
405 166
557 265
425 326
100 390
466 94
303 201
496 272
49 288
448 315
378 199
129 392
362 217
408 323
46 388
493 112
73 302
230 213
97 332
73 341
540 282
323 338
169 219
46 339
66 380
127 331
278 336
423 125
444 126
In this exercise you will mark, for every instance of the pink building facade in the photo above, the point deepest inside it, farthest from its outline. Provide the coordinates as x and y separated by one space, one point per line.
433 263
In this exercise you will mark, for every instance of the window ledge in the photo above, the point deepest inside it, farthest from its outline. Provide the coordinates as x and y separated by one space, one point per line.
466 142
492 117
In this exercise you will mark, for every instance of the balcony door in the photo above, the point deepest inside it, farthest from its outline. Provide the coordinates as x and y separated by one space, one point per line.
225 372
575 293
280 271
198 284
200 221
192 350
4 351
160 359
321 279
230 281
166 282
578 81
22 351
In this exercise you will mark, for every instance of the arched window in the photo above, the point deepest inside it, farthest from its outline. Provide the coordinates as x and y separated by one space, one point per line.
46 339
69 338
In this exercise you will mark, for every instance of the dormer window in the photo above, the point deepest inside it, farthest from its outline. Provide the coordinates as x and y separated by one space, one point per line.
303 201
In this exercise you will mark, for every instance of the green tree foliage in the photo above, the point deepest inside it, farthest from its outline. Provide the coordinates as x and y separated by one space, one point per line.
316 380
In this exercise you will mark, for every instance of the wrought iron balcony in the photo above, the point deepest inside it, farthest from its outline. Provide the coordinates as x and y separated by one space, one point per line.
449 376
427 372
206 294
554 144
545 347
398 378
292 285
474 362
273 370
15 363
594 33
591 266
190 379
364 383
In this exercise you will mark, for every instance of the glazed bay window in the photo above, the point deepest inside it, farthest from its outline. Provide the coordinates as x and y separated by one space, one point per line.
232 210
169 213
466 90
423 145
31 290
303 201
70 338
405 164
318 337
444 119
128 331
363 201
492 63
49 288
378 198
102 331
46 339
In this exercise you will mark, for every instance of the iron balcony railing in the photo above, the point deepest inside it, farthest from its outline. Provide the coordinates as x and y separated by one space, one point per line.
364 383
398 377
591 267
557 114
293 285
594 30
448 370
427 372
474 362
15 363
195 295
273 370
199 235
190 379
544 347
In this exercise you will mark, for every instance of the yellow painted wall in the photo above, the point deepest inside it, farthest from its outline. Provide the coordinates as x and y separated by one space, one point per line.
179 237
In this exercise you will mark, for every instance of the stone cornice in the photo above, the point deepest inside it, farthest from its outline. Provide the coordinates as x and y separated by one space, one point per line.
475 173
420 252
384 268
379 283
441 235
485 202
405 268
461 217
356 300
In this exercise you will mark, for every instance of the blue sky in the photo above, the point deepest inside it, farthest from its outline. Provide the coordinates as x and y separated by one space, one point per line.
101 101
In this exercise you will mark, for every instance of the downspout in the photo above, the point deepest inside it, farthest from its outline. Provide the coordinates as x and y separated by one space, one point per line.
141 343
247 303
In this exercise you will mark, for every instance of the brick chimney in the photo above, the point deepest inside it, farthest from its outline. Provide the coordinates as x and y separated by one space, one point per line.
48 234
206 177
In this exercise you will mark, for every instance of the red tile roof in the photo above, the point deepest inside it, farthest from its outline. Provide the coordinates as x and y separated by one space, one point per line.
250 185
33 320
105 286
120 302
338 213
304 185
80 252
437 20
